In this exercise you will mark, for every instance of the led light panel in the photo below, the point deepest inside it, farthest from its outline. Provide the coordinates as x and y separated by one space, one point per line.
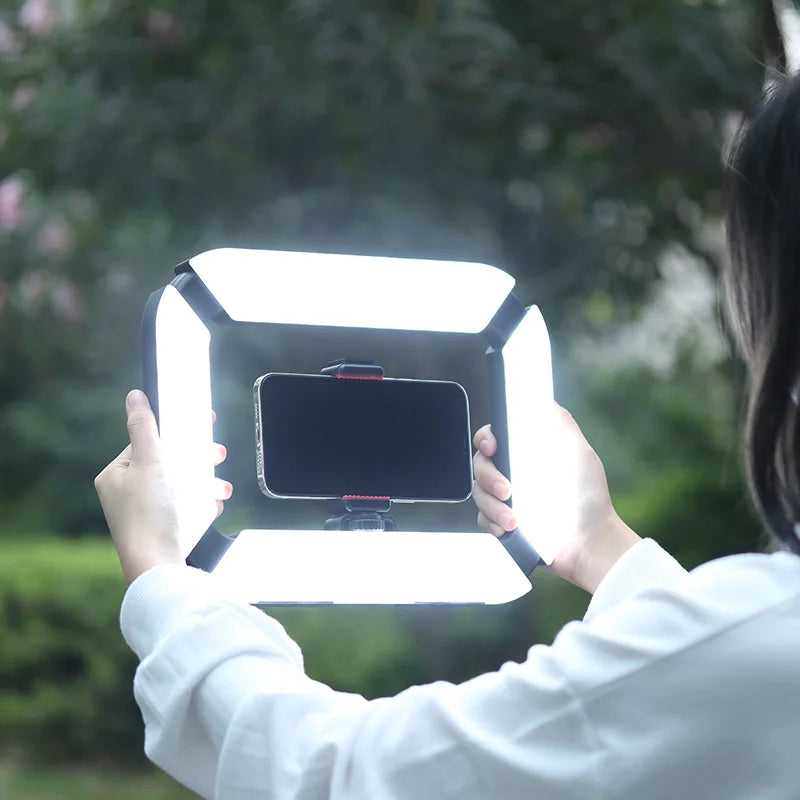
353 291
184 394
356 291
269 566
542 458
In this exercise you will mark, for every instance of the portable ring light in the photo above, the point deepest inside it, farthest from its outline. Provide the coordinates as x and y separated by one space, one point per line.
231 286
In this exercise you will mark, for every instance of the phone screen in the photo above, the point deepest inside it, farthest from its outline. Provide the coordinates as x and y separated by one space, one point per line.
321 436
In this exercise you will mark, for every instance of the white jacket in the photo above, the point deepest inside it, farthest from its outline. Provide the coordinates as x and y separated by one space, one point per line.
675 685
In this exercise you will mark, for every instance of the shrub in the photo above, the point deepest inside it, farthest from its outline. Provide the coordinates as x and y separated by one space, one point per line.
65 671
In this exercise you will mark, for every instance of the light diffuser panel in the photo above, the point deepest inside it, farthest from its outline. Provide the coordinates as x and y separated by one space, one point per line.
280 566
184 399
353 291
380 567
542 460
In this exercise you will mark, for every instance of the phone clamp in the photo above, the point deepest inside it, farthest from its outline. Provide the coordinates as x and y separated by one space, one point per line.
358 512
354 369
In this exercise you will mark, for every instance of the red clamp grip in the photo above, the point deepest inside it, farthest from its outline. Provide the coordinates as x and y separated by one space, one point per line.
353 369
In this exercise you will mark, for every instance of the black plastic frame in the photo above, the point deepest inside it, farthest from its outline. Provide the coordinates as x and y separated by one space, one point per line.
498 332
213 544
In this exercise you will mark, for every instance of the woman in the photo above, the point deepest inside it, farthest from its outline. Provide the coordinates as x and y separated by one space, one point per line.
675 684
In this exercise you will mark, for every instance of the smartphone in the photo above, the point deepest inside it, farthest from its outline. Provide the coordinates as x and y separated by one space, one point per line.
320 436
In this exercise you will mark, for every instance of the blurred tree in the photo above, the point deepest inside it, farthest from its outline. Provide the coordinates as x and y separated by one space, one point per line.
568 143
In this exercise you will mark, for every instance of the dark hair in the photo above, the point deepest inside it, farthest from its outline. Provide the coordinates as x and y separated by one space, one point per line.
762 293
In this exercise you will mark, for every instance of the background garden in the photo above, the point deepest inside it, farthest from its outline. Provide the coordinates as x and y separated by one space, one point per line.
575 144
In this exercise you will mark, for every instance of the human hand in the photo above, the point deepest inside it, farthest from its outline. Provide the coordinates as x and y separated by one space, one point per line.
599 537
137 498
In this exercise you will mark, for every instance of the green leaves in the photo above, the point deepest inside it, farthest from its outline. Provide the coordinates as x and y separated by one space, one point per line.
65 673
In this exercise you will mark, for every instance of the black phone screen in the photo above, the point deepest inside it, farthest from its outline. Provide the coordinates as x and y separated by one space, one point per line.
323 436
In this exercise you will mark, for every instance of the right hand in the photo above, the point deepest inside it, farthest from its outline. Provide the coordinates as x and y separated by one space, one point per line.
600 537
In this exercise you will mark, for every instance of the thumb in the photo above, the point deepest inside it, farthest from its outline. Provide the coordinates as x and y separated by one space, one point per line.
569 427
142 428
564 417
567 420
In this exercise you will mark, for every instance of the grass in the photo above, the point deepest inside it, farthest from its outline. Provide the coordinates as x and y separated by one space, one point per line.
31 783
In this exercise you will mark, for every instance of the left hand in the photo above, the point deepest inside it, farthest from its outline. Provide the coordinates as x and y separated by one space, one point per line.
137 498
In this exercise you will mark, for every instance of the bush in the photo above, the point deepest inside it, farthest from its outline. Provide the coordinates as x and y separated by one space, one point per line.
65 671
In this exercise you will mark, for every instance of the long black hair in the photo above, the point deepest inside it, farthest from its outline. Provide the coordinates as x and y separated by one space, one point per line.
762 295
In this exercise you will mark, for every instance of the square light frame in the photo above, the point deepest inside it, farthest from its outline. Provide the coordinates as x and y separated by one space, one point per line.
234 286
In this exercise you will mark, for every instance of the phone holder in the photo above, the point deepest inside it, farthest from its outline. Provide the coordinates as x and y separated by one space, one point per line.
233 287
356 512
360 514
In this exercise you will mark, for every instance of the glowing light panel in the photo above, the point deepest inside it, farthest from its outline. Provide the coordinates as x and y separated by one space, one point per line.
300 566
184 399
353 291
542 459
279 566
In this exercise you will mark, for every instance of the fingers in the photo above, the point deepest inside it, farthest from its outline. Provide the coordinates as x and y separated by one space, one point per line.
220 453
491 488
142 428
489 478
490 527
484 441
494 510
222 489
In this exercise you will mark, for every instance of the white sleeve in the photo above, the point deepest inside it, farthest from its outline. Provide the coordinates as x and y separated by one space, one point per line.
644 566
229 712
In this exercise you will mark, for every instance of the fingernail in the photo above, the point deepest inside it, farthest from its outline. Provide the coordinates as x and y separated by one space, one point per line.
507 521
500 489
136 399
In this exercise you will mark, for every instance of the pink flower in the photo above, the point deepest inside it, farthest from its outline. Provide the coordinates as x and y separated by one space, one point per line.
37 16
11 206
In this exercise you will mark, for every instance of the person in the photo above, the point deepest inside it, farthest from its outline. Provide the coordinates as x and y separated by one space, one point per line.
674 685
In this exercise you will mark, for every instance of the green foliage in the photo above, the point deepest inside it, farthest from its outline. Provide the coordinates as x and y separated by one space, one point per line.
18 783
65 672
